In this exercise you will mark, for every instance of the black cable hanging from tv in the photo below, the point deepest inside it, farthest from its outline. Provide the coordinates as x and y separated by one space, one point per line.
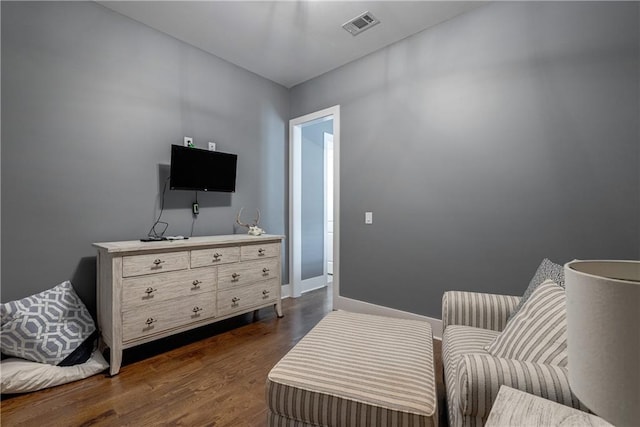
153 233
196 212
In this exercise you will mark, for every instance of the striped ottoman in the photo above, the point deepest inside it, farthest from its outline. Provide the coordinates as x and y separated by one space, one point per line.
356 370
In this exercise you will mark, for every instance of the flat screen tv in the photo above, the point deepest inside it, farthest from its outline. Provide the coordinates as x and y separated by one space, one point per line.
202 170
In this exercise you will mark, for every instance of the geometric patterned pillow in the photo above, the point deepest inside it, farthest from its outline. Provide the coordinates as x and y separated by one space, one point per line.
47 327
538 333
546 270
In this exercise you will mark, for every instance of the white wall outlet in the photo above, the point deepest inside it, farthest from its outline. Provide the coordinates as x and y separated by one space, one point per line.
188 141
368 217
212 146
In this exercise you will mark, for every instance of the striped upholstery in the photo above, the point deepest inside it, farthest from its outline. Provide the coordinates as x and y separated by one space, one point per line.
479 377
456 342
538 332
486 311
275 420
473 376
356 370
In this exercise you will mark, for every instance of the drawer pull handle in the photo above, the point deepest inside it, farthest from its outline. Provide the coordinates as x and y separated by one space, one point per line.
235 276
265 270
217 256
150 321
158 262
261 252
196 309
196 284
149 291
265 292
234 301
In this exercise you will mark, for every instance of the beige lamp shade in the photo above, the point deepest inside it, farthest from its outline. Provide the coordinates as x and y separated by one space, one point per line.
603 337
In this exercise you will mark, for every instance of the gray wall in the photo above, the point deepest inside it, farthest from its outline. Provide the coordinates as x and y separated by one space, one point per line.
91 102
312 203
484 144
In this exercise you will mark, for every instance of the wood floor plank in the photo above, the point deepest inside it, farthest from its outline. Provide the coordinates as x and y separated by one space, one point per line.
213 376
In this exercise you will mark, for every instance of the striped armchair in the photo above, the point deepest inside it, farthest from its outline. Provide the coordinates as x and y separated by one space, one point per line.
472 376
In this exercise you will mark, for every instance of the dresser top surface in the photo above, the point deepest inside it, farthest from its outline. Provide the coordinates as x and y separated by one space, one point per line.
190 243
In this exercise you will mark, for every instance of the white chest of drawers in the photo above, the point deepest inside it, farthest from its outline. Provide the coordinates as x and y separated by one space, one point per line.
150 290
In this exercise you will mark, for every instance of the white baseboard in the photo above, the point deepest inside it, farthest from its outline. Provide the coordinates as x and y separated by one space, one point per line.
286 291
348 304
313 283
307 286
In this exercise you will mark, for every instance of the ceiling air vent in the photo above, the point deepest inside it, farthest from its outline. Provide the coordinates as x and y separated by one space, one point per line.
360 23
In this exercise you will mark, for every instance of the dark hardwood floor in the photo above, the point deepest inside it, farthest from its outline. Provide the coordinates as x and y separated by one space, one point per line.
211 376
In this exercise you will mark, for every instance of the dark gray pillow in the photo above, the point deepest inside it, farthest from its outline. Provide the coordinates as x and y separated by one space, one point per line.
546 270
47 327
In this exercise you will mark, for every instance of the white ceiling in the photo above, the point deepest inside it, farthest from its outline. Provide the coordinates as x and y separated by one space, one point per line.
288 42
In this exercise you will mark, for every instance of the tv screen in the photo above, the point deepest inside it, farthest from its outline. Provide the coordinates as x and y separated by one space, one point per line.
202 170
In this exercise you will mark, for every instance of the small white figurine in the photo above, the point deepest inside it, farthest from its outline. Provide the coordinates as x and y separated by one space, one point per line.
254 230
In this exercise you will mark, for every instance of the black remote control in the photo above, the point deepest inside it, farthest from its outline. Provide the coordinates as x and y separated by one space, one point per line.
153 239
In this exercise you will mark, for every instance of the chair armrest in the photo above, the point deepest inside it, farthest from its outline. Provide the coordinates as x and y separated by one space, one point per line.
479 377
486 311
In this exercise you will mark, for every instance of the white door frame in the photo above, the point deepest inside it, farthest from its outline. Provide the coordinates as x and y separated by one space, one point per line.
328 159
295 197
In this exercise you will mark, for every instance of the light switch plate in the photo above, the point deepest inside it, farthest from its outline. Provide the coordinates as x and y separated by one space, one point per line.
368 217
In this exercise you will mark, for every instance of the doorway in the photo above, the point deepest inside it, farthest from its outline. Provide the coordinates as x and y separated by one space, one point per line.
314 185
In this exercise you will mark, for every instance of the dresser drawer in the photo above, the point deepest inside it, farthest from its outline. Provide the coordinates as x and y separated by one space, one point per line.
215 256
138 265
244 273
267 250
146 290
239 299
158 317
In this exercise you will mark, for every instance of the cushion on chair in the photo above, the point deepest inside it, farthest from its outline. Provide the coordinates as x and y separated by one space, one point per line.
546 270
49 327
538 333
